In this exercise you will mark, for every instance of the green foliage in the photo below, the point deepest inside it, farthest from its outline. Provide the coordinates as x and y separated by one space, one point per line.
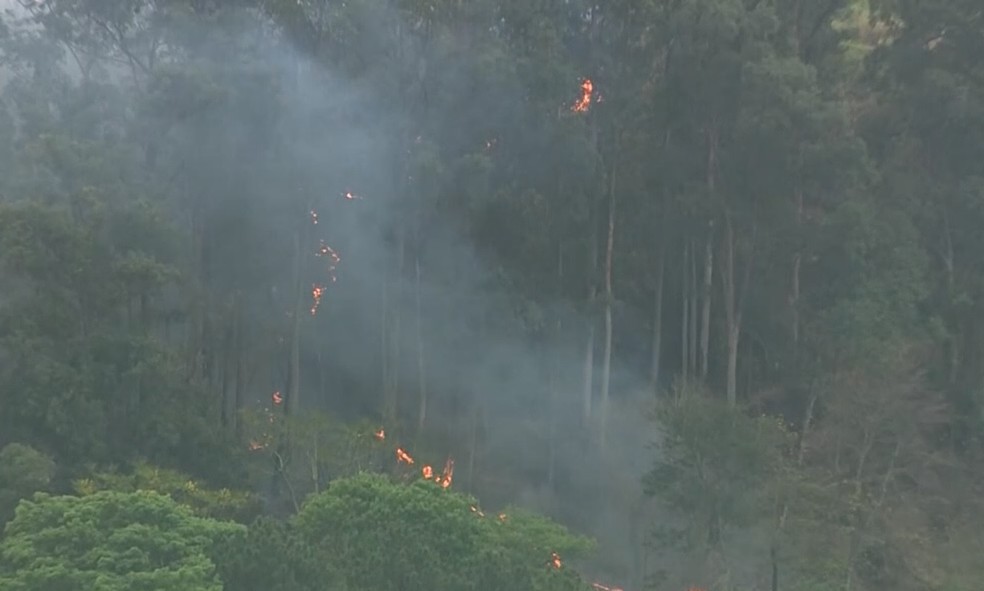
223 504
110 541
270 556
717 466
158 161
420 536
23 472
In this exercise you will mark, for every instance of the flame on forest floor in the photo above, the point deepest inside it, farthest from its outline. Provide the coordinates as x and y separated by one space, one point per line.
403 457
447 474
555 560
427 472
584 103
277 398
317 291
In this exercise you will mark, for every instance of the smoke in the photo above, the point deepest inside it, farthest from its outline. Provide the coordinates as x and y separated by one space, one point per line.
253 134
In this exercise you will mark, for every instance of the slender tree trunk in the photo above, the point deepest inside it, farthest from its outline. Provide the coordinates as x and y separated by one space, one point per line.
953 345
657 320
384 344
705 321
473 443
685 332
552 391
226 383
588 370
240 366
731 312
556 363
606 372
794 295
693 308
393 349
293 390
421 367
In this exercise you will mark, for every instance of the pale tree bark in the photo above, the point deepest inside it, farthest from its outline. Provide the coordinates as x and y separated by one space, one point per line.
384 342
240 391
228 344
421 367
588 368
732 315
705 320
711 182
693 309
292 389
394 335
293 402
685 332
556 364
606 372
794 290
953 346
657 342
734 296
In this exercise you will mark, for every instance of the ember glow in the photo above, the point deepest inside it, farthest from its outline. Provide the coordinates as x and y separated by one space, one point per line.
277 398
379 435
403 457
317 291
555 560
427 472
447 474
584 103
329 253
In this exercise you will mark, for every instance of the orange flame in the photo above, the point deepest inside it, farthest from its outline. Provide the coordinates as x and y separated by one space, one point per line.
427 472
379 435
277 398
555 560
403 456
584 103
447 474
333 259
316 292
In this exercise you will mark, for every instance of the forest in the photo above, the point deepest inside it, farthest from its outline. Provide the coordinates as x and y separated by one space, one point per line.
538 295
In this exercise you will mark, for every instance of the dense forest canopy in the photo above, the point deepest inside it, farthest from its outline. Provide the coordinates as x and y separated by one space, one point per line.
288 285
